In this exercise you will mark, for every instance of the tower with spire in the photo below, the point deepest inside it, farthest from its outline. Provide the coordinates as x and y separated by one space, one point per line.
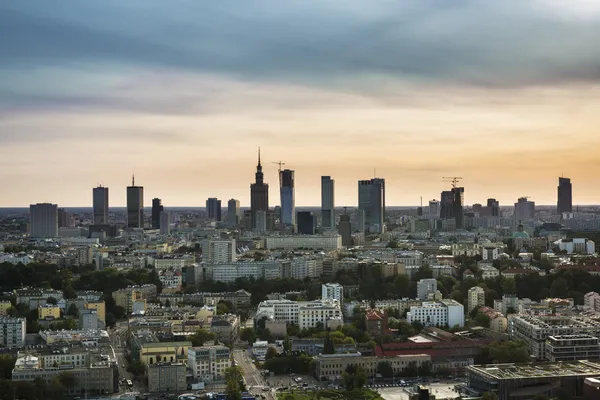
259 194
135 205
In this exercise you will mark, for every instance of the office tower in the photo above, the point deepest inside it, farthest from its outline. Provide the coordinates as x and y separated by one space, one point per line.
213 208
476 298
288 204
65 219
157 208
100 199
434 209
333 291
345 230
371 200
43 220
524 209
165 223
565 196
260 225
327 202
259 195
446 202
451 205
478 209
358 221
425 288
233 213
494 207
135 205
306 223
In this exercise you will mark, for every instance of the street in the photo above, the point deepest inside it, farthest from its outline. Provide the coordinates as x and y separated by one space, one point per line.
252 376
118 337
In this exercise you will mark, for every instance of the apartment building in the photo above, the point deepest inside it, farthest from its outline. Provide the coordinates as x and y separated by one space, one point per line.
303 314
332 366
208 363
312 242
12 332
572 347
226 328
48 311
475 298
166 377
219 251
591 301
438 313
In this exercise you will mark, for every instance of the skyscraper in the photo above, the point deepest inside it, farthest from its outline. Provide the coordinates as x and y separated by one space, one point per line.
165 223
43 220
233 212
65 219
371 200
565 195
157 208
259 194
327 202
345 230
135 205
306 223
524 210
434 209
288 202
494 207
100 203
213 208
451 205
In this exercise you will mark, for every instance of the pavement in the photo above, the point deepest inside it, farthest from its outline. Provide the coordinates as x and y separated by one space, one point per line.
253 377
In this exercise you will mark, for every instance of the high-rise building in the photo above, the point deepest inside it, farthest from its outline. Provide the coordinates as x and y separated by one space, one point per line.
259 195
288 201
43 220
524 209
165 223
493 207
451 205
219 251
475 298
565 195
135 205
333 291
434 209
345 230
328 202
371 200
306 223
157 208
100 199
446 204
213 208
425 288
234 215
65 219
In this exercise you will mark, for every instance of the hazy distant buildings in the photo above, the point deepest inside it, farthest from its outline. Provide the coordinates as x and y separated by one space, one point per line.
451 205
259 198
565 196
288 202
524 209
65 219
43 220
233 212
157 208
345 230
165 223
100 205
434 209
494 207
135 205
306 223
371 200
213 208
327 202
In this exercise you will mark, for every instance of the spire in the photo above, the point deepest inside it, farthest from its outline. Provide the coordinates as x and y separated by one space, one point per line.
259 156
133 180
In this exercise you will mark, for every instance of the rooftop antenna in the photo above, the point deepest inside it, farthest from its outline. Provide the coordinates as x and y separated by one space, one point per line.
133 180
258 155
421 201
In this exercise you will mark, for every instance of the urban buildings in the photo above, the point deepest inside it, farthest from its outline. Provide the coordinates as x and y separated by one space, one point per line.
234 215
426 288
12 332
218 251
451 205
572 347
524 209
213 208
157 208
44 220
288 201
345 230
371 200
332 366
226 328
166 377
208 363
333 291
259 199
65 219
313 242
100 205
305 314
591 301
565 196
438 313
135 205
475 298
165 223
306 223
327 202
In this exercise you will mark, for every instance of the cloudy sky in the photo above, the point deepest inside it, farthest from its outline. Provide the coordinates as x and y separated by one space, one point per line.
183 92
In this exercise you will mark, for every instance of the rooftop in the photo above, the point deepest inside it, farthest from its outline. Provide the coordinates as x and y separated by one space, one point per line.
531 371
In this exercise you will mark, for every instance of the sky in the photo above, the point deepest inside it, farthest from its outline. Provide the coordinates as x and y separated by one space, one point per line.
181 93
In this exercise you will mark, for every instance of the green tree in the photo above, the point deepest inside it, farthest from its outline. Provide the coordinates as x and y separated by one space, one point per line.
328 346
559 288
52 300
248 335
233 378
489 396
69 293
287 344
73 311
482 320
385 369
509 286
271 353
201 336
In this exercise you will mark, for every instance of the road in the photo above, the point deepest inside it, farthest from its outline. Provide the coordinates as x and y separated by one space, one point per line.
118 337
252 376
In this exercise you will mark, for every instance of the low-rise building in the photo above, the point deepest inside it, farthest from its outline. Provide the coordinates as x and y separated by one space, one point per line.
438 313
48 311
312 242
208 363
226 328
166 377
332 366
572 347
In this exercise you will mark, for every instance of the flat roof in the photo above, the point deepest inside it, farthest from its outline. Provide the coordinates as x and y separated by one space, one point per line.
420 339
549 370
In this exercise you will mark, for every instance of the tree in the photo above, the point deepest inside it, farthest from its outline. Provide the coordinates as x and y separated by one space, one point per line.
559 288
287 344
328 346
52 300
73 310
7 363
201 336
69 293
233 378
509 286
489 396
248 335
482 320
385 369
271 353
354 377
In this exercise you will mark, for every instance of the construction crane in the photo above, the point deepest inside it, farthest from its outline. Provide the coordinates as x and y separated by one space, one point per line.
280 163
452 179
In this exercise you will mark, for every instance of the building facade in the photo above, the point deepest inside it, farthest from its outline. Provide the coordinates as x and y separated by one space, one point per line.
43 220
371 200
213 208
157 208
12 332
234 215
475 298
438 313
209 363
288 200
565 196
166 377
327 202
100 205
135 205
259 197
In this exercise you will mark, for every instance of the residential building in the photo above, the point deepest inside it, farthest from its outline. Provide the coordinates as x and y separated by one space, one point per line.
332 366
157 208
439 313
591 301
171 280
509 304
213 208
100 205
328 202
572 347
306 223
426 288
48 311
12 332
165 223
576 245
88 319
498 322
99 307
376 322
303 314
312 242
234 215
565 196
155 352
219 251
333 291
287 192
524 209
259 198
135 205
65 219
43 220
371 200
451 205
166 377
475 298
209 363
226 328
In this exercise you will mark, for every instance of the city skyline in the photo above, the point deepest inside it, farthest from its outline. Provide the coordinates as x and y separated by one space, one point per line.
404 88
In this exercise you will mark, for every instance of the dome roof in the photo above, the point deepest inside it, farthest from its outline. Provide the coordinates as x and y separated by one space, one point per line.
520 235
